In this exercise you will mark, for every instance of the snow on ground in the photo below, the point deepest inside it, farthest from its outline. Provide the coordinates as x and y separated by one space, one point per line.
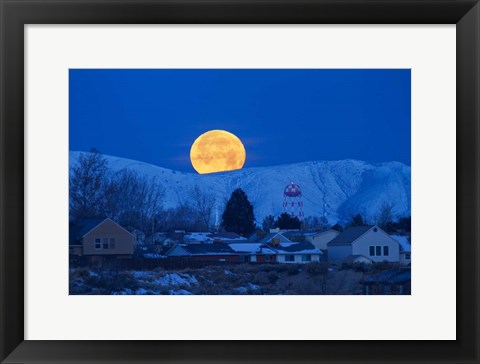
176 279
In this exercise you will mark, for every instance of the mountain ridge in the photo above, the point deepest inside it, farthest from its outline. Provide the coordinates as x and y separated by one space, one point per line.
334 189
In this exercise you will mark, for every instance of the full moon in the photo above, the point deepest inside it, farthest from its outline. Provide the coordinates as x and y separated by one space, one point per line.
217 151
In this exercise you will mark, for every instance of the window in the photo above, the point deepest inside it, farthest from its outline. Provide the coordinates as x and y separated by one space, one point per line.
378 251
112 243
385 250
306 258
289 258
407 256
372 251
105 243
98 243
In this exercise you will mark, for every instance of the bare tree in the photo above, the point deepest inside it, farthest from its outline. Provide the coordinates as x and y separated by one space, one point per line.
385 215
202 203
86 185
134 201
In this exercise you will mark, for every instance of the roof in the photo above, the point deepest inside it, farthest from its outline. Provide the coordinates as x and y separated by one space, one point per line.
207 249
197 236
405 245
349 235
292 233
80 227
267 238
228 235
252 248
304 248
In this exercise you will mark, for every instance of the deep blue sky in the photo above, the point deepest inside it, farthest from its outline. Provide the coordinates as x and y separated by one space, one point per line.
282 116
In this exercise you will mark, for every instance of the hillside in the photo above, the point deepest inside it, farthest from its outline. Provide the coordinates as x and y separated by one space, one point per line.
338 189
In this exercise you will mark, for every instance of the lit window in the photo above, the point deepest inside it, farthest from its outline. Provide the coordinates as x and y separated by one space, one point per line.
372 251
378 251
385 250
98 243
112 243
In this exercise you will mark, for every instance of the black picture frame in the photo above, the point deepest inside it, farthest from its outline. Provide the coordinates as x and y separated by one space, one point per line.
16 13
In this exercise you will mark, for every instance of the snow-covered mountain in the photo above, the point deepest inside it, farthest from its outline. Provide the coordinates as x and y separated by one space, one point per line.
338 189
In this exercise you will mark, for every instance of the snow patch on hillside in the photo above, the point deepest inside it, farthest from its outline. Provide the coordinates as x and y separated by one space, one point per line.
334 189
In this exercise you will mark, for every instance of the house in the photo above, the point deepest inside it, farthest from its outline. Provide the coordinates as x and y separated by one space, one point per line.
255 252
274 237
297 253
212 252
100 237
319 239
405 249
369 241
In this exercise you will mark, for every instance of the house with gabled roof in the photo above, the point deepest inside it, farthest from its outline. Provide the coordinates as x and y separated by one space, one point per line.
369 241
100 237
274 237
297 253
405 249
319 239
211 252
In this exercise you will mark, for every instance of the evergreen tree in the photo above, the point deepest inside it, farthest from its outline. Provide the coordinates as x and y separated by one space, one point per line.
337 227
268 223
238 215
357 220
285 221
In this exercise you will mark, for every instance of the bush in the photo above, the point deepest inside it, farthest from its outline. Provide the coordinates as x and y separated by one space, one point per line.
293 269
273 277
316 268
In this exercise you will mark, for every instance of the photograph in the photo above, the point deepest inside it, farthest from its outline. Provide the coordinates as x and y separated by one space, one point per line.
240 182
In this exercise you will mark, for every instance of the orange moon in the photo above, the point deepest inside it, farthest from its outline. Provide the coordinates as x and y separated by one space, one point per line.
217 151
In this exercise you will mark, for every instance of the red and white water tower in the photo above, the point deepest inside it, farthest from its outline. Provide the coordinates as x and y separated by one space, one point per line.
292 200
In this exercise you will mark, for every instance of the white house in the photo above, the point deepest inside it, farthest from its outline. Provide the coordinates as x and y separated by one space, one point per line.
322 238
405 249
369 241
297 253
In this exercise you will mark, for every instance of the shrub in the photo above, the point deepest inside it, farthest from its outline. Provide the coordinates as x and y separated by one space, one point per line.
316 268
273 277
293 269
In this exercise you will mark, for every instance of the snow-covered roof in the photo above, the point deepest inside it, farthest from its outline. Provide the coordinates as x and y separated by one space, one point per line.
197 236
207 249
405 245
297 248
252 248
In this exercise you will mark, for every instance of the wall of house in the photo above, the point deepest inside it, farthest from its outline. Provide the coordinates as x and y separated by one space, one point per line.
298 258
124 241
320 241
261 258
338 253
403 259
361 246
